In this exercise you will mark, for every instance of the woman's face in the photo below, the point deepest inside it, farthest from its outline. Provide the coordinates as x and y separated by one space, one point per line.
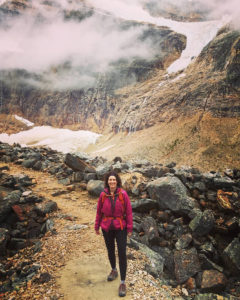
112 182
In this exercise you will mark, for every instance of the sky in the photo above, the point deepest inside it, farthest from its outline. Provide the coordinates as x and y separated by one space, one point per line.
68 55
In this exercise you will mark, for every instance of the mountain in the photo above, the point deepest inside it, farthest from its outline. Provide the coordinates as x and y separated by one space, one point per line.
190 116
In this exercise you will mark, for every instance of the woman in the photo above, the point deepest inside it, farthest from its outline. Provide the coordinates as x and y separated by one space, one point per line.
114 216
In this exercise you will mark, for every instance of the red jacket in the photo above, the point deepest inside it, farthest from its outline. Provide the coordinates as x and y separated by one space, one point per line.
107 218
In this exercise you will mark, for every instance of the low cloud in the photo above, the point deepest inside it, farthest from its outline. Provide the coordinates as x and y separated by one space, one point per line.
67 53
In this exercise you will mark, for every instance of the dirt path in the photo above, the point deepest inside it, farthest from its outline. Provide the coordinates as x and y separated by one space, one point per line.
76 257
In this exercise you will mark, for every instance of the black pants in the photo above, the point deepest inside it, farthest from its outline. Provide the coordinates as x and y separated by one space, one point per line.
121 238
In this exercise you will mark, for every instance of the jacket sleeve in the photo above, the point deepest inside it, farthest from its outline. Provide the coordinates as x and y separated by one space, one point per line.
99 213
129 218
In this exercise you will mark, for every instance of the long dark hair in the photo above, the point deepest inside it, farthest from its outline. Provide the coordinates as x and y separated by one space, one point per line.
112 173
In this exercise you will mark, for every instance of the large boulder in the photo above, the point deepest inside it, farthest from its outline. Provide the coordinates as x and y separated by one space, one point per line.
156 260
231 256
144 205
171 194
186 264
77 164
95 187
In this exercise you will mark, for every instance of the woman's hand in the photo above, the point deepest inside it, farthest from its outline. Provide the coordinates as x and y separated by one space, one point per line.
129 234
97 232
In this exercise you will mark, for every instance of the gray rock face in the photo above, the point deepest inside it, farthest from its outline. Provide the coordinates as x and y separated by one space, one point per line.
171 194
186 264
231 256
203 223
95 187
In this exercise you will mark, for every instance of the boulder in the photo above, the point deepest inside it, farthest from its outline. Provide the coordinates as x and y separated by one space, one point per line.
171 194
156 260
95 187
144 205
102 170
231 256
186 264
150 229
203 223
213 281
77 164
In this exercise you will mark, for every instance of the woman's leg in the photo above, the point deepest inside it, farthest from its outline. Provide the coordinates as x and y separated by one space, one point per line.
121 237
110 244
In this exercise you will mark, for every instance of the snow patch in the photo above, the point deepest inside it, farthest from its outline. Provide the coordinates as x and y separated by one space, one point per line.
25 121
63 140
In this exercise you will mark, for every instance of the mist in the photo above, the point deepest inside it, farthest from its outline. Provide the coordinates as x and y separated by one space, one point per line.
67 53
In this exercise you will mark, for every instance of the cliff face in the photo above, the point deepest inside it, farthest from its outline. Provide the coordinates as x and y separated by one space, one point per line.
191 117
92 107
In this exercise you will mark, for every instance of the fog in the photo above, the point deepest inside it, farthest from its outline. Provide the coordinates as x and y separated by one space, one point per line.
67 53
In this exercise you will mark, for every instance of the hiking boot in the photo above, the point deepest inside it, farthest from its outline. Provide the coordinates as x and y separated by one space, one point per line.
122 290
113 275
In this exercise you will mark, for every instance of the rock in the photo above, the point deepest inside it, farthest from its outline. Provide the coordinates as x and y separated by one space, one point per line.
150 171
171 194
47 226
77 164
231 256
213 281
17 244
4 237
184 241
95 187
211 296
203 223
149 226
37 166
90 176
102 170
117 159
167 255
132 180
29 163
77 176
186 264
117 167
156 260
191 284
44 277
49 207
223 182
207 264
144 205
163 171
64 181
